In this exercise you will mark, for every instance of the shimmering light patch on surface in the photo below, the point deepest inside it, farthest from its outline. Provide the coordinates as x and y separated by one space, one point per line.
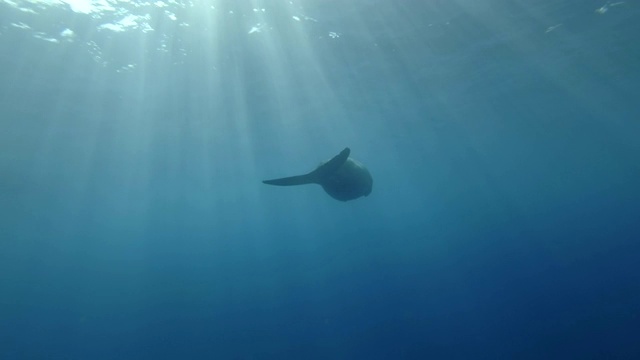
604 8
257 28
129 22
68 34
551 28
121 16
21 25
96 8
309 18
163 47
80 6
17 6
43 36
127 68
124 16
96 53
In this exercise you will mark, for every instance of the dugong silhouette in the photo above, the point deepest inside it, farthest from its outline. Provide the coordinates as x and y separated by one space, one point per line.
342 177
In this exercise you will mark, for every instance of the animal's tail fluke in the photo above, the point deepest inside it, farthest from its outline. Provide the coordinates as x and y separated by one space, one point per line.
309 178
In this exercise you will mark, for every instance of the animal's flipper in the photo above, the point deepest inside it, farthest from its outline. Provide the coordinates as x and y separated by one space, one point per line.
316 175
332 165
309 178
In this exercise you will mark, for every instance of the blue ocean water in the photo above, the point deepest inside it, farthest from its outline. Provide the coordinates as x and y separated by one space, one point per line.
502 136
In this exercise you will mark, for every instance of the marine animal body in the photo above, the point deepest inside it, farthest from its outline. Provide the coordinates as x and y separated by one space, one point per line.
342 177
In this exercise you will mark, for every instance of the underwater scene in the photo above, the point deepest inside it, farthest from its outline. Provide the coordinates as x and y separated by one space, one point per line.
319 179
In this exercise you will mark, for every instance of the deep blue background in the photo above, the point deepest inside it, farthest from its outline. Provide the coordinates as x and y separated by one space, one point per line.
504 221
